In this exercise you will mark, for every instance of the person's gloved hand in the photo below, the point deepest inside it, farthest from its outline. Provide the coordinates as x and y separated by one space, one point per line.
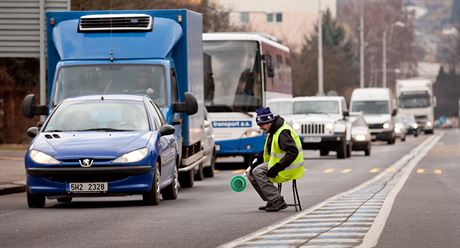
274 170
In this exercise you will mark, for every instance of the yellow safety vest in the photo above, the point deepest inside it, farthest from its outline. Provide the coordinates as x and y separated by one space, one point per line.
293 171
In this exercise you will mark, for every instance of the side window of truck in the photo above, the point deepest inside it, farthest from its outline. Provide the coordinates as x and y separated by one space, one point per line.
174 90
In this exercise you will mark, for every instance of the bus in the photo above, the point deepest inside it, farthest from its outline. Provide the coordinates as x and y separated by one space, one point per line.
241 72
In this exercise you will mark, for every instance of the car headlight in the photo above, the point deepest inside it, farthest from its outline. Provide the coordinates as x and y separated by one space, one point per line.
132 157
360 137
251 133
386 125
296 127
42 158
415 125
429 123
329 126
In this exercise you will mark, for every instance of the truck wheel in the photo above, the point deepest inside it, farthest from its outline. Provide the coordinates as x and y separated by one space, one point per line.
171 191
367 152
341 150
35 200
348 150
186 179
199 173
152 197
209 170
392 140
323 152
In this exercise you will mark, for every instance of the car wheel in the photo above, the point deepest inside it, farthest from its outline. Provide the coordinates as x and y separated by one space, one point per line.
64 199
153 196
367 152
341 150
323 152
186 178
392 140
209 170
403 138
171 191
199 173
35 200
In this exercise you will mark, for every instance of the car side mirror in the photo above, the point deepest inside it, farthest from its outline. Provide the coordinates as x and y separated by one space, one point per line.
346 113
167 130
190 106
28 108
32 132
395 111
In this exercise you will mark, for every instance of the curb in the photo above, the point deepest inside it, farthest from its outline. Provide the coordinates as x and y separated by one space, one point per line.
11 188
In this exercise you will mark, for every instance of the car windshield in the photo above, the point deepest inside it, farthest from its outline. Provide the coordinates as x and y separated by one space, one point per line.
281 108
111 79
316 107
101 115
371 107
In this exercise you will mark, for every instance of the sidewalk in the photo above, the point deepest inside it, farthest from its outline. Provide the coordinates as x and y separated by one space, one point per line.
12 172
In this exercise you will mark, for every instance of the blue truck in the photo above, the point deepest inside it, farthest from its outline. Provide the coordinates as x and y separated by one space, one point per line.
157 53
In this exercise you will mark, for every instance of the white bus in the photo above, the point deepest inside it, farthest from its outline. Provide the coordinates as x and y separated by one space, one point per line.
241 72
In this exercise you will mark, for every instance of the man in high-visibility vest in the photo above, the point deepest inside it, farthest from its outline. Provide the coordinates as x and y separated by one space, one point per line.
282 159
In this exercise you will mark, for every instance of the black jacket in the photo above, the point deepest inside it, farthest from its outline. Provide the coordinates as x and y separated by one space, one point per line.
285 142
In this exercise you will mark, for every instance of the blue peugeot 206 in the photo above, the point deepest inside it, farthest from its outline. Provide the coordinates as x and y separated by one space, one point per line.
110 145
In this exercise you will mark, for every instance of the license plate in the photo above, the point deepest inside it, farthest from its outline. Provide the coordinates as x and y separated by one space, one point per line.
311 139
89 187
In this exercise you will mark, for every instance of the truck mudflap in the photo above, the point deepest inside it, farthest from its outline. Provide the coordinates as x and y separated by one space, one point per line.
193 161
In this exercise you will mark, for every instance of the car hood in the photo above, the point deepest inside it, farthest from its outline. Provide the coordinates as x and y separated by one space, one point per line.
302 118
90 144
377 119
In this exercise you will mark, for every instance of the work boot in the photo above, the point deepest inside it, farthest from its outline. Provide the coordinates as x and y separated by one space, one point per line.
265 206
277 205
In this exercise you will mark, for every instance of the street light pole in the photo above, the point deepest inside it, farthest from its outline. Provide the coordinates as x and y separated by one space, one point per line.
320 52
361 46
384 62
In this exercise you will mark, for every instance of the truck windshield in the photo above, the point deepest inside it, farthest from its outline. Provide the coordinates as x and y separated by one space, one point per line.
414 101
111 79
371 107
99 116
232 76
316 107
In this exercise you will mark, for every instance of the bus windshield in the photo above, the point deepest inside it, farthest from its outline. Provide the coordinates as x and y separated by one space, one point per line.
111 79
232 76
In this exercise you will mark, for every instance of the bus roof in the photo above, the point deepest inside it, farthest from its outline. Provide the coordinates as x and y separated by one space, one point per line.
261 37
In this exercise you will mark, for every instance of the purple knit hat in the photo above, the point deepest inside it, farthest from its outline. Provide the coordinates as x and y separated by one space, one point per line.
264 115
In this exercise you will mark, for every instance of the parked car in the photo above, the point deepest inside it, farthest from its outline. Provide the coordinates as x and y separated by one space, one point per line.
400 128
209 146
360 133
102 146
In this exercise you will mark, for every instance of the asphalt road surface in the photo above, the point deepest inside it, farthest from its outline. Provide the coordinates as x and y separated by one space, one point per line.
426 212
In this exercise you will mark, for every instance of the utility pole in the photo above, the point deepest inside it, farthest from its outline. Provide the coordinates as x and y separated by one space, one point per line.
320 52
361 46
384 58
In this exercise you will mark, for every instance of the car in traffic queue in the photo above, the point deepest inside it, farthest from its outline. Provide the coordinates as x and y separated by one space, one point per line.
109 145
209 149
360 133
400 128
411 125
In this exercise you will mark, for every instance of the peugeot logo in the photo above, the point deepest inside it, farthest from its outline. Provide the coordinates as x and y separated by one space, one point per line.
86 162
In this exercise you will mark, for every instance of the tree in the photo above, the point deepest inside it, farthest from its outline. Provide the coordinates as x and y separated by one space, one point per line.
339 61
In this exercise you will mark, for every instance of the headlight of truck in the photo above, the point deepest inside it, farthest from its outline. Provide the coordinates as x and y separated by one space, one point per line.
42 158
329 126
296 127
386 125
251 133
360 137
429 124
132 157
415 125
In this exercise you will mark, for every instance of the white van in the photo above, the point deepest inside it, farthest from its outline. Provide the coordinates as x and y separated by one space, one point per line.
379 108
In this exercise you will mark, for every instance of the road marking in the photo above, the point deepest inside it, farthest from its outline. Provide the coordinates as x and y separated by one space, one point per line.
328 171
345 171
364 208
374 170
438 171
420 171
238 171
391 169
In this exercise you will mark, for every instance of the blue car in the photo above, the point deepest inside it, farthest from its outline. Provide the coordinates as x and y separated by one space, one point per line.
102 146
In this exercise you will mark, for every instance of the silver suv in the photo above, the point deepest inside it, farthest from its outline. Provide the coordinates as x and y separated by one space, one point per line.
321 122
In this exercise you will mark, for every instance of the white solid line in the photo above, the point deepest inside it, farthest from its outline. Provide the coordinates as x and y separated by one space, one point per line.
372 237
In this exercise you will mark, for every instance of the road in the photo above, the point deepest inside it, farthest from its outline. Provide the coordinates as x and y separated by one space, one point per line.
425 213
